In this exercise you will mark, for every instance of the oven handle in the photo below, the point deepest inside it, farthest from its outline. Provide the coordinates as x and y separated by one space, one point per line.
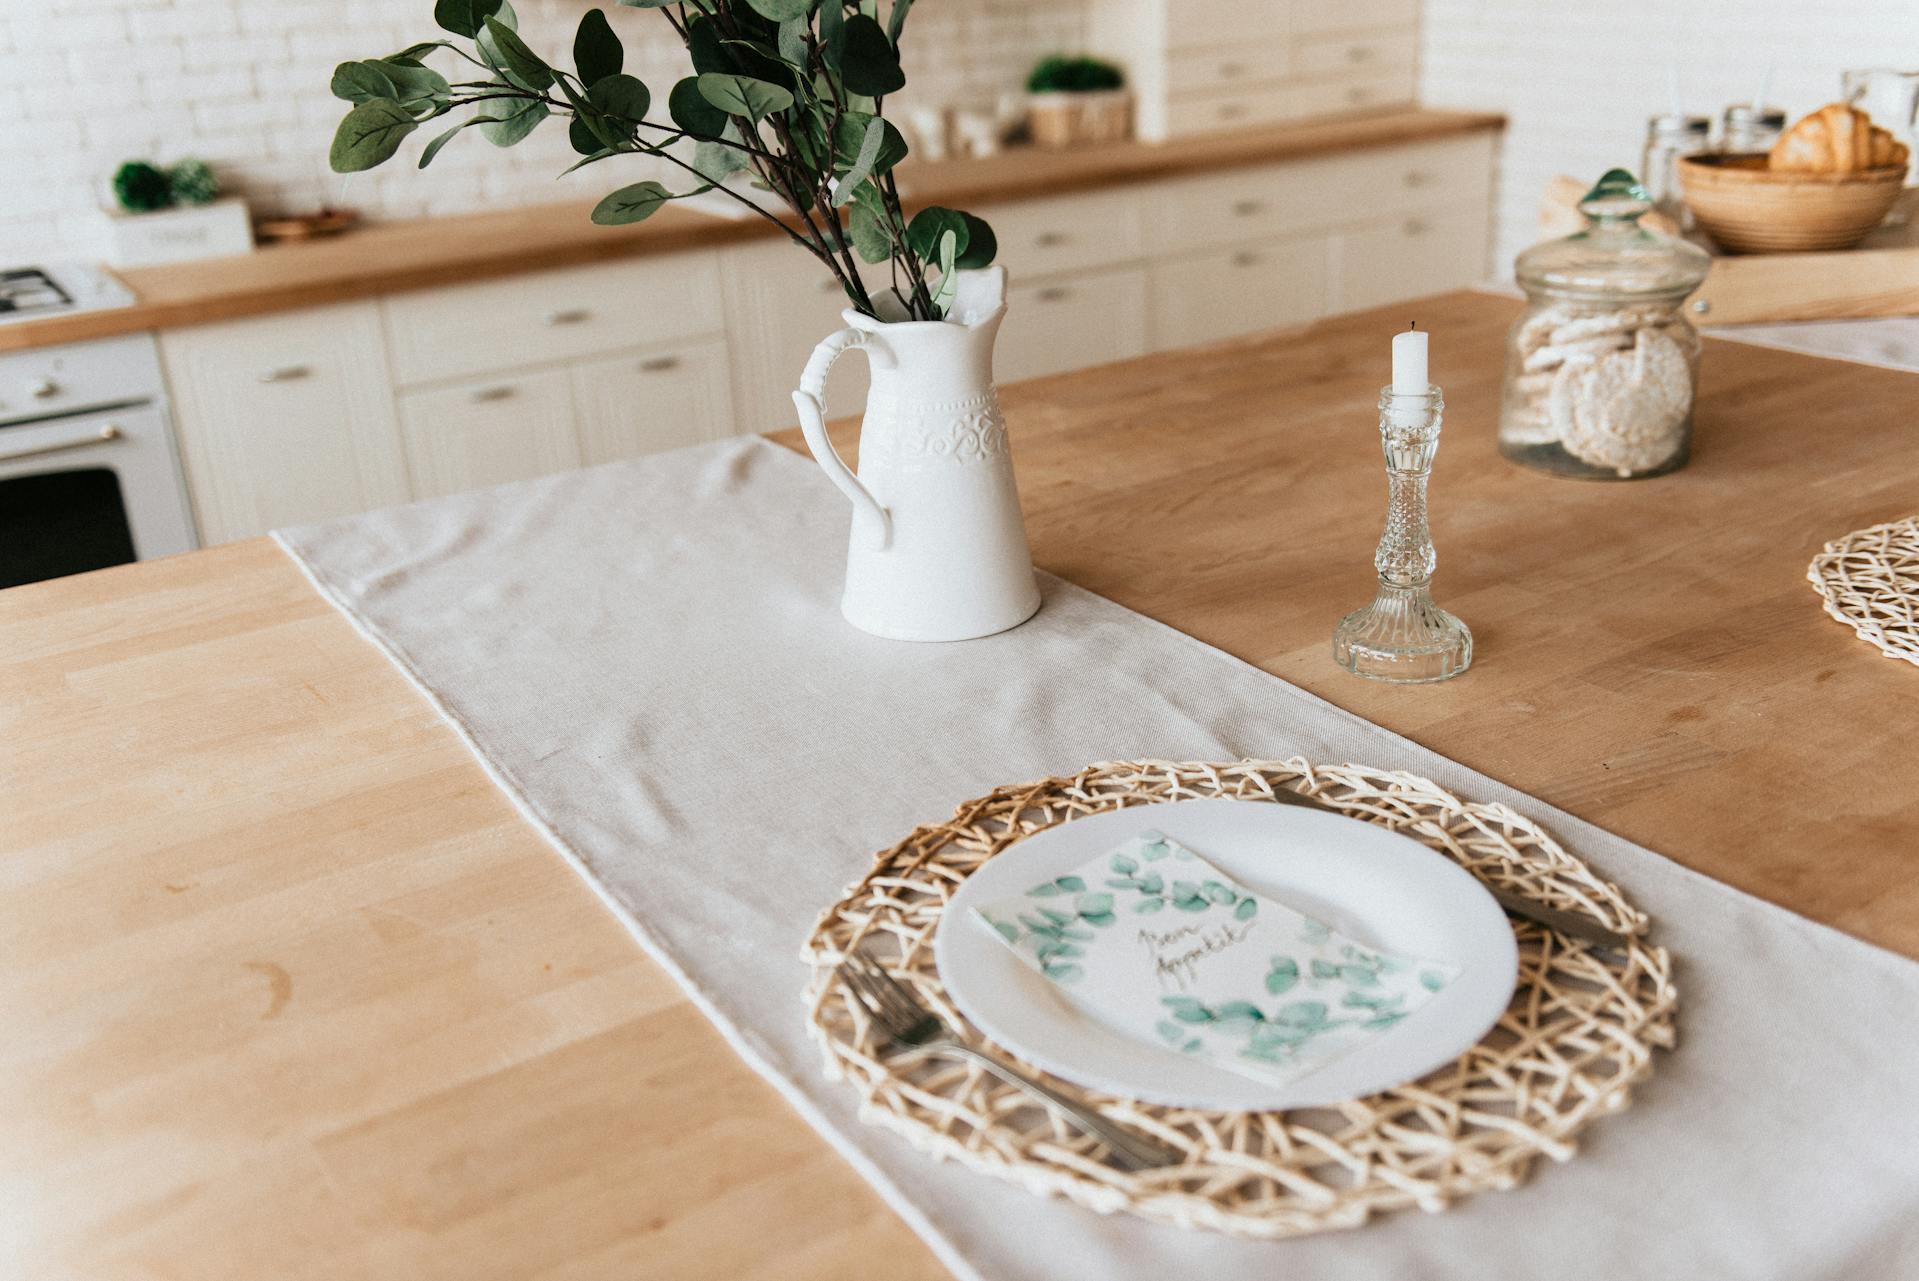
109 432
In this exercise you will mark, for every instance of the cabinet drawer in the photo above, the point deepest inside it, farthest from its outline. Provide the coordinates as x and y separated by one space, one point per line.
488 433
1067 233
1354 15
1093 320
1191 23
1194 113
1415 255
643 402
551 315
1357 93
1361 53
1210 297
1257 62
285 419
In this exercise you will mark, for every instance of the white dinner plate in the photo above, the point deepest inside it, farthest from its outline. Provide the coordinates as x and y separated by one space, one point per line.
1378 887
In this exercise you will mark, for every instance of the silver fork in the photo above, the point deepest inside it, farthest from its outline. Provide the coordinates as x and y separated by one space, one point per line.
911 1026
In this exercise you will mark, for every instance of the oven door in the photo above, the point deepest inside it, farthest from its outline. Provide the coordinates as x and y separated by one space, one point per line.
88 491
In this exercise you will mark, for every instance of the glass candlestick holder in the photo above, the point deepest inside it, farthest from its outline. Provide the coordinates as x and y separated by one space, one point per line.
1402 637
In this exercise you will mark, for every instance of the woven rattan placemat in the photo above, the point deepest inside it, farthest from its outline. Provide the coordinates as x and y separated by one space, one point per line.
1870 582
1577 1036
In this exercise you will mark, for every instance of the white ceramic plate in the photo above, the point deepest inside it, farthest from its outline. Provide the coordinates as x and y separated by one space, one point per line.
1378 887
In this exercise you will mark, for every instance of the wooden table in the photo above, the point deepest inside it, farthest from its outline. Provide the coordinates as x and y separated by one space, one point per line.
291 992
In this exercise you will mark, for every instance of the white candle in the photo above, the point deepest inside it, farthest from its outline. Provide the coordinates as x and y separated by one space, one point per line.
1409 363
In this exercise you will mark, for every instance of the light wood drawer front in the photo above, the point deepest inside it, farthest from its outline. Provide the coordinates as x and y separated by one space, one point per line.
1353 15
643 402
1097 318
1198 113
1356 93
1256 62
1415 255
551 315
1067 233
1355 55
1206 298
488 433
1203 23
285 419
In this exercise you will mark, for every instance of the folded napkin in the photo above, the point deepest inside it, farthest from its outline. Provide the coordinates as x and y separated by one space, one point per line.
1159 945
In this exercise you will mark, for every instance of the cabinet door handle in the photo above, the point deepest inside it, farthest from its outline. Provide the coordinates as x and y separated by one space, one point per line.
1417 226
285 373
1247 208
485 394
1054 293
566 316
659 364
109 432
1051 239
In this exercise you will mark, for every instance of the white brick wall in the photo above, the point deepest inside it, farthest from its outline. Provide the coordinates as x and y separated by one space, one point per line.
242 84
1577 81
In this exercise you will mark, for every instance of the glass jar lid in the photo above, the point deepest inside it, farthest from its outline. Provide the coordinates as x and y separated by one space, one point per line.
1614 257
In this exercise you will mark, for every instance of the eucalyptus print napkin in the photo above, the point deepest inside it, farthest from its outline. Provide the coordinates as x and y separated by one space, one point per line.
1159 945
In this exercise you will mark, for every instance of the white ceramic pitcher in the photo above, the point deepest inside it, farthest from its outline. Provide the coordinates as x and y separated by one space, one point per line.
938 550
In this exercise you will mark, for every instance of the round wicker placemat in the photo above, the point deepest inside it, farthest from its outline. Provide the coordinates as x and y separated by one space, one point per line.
1870 582
1577 1036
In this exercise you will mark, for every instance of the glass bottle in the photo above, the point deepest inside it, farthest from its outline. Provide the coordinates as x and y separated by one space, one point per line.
1669 137
1747 128
1602 365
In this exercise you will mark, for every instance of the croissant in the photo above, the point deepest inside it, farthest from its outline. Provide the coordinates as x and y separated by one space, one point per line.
1836 139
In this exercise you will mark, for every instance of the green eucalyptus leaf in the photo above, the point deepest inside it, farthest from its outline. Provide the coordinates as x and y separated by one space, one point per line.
869 63
369 135
949 274
515 123
744 96
715 160
631 204
514 57
897 19
872 237
358 82
792 43
463 17
782 10
433 147
692 112
929 225
597 52
622 97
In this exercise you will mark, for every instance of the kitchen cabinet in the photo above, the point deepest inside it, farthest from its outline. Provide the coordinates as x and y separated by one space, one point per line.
285 419
661 398
488 432
320 412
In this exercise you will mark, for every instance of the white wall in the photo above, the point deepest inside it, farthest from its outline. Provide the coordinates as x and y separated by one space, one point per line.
1578 80
242 84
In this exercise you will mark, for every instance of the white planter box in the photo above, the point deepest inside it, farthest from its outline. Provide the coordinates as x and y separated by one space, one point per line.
177 235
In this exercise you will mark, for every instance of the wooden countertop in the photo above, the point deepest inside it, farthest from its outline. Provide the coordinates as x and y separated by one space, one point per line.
292 992
391 257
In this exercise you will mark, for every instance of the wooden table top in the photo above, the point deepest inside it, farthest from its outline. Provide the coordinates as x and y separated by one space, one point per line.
292 992
390 257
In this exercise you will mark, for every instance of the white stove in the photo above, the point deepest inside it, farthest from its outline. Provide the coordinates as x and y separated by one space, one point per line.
29 293
89 475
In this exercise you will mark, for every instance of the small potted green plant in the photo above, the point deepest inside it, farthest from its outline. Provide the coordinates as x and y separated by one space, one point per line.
172 215
1073 101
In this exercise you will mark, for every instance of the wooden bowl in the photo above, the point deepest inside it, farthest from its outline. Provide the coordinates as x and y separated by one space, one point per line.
1749 208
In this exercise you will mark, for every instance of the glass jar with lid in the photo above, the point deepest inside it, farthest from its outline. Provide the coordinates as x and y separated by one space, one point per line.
1602 366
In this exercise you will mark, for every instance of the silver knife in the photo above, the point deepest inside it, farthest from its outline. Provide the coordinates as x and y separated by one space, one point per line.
1571 924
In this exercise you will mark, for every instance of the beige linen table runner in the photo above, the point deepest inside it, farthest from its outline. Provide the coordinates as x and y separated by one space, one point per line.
648 658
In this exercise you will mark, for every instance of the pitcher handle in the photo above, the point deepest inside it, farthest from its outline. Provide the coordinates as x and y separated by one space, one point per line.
871 521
